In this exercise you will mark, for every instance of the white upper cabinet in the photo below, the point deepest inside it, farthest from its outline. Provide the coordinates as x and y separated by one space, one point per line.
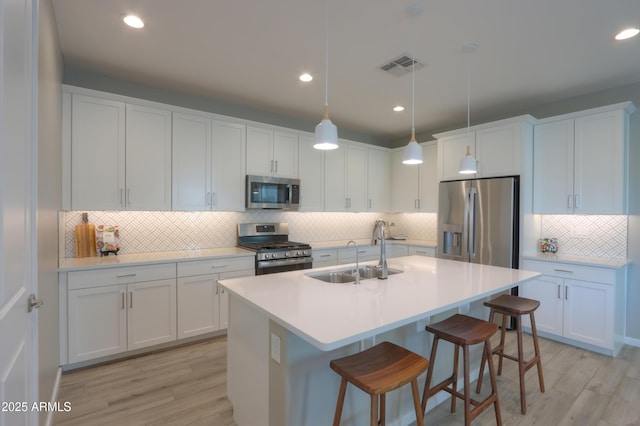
98 152
498 147
272 153
335 199
580 162
378 180
148 158
311 165
345 176
415 187
208 164
357 178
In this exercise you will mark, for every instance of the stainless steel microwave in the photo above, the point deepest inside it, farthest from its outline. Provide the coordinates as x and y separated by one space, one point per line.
266 192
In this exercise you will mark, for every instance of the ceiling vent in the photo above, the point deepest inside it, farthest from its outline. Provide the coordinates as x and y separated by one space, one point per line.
402 65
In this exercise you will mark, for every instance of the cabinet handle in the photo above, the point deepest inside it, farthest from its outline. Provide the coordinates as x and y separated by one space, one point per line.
130 300
218 266
217 290
125 276
122 294
569 201
558 291
325 255
420 252
566 293
276 166
577 202
564 270
362 251
369 205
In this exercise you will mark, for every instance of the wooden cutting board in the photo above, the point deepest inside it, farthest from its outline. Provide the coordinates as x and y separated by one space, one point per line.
85 240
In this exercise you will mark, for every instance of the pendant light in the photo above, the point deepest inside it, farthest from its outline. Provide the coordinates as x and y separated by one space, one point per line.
468 165
326 131
413 152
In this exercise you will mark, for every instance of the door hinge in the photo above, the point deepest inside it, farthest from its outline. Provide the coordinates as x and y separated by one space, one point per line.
33 303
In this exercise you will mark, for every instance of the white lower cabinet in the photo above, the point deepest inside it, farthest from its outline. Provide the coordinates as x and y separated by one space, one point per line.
203 305
583 305
422 251
115 310
325 257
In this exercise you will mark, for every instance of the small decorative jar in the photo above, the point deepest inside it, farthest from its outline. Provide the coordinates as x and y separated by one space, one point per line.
548 245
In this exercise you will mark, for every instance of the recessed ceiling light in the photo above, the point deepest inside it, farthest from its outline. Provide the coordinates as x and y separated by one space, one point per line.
398 108
133 21
628 33
305 77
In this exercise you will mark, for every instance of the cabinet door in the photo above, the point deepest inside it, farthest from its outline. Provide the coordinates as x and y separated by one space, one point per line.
428 179
498 150
335 199
549 291
325 257
148 158
198 299
588 312
553 167
151 313
599 175
378 180
285 154
404 196
97 322
259 151
311 162
228 169
98 153
451 150
422 251
356 172
398 250
191 162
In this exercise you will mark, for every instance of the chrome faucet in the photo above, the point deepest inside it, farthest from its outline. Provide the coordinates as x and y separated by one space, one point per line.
379 231
356 274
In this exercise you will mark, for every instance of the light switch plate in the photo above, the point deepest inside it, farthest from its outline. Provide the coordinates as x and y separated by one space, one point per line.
275 347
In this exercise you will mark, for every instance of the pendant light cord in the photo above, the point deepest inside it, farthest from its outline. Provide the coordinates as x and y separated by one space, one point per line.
413 74
468 92
326 55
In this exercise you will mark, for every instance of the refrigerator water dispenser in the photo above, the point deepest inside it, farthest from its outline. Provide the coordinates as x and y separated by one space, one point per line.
452 240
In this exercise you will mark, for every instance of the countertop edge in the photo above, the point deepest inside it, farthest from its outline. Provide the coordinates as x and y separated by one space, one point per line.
600 262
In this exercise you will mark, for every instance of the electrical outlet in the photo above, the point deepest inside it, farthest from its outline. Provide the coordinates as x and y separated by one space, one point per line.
275 348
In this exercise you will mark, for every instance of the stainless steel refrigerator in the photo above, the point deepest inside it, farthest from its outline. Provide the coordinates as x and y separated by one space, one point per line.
478 221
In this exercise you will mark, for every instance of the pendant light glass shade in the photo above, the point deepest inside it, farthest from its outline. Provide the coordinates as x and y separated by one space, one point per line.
326 133
412 152
468 165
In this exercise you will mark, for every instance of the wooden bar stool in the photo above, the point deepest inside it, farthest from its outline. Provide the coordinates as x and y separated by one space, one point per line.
378 370
514 306
463 331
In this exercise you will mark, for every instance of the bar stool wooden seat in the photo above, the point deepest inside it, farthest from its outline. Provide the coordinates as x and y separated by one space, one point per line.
378 370
463 331
514 306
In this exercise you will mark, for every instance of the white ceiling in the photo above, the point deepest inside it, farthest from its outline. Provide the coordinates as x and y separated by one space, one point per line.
250 53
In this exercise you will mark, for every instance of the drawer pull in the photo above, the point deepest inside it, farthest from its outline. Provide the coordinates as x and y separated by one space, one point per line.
566 293
362 251
421 252
218 266
558 291
130 300
122 294
125 276
564 270
325 255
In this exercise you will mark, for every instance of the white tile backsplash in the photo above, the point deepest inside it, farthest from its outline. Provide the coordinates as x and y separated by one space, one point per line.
587 235
145 231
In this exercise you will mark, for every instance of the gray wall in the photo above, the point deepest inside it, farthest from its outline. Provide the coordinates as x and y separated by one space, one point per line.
49 196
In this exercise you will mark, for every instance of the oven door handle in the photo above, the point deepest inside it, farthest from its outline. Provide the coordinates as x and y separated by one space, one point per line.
284 262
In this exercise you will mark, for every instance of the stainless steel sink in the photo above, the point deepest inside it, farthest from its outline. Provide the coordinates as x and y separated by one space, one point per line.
347 275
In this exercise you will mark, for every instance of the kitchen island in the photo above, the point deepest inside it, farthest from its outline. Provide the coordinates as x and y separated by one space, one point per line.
285 328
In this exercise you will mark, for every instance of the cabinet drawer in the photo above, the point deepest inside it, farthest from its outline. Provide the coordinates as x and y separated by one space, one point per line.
348 255
324 257
568 270
224 264
422 251
122 275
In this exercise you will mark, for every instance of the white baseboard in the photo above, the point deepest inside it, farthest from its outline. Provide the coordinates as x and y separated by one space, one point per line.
632 342
54 397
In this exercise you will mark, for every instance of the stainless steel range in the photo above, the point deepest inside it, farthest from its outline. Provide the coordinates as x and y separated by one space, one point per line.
274 251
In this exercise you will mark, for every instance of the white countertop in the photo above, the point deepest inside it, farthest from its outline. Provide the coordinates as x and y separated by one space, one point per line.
602 262
330 316
133 259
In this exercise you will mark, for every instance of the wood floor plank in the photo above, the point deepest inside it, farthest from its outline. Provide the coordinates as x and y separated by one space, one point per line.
186 386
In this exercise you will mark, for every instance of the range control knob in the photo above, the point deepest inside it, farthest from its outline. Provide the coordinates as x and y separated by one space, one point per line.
266 255
299 253
287 254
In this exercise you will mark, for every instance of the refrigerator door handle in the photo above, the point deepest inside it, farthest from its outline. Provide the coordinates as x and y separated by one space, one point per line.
472 222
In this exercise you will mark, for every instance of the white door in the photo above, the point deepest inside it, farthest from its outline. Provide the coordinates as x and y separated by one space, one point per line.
404 197
228 166
311 175
356 172
151 316
18 362
588 315
550 292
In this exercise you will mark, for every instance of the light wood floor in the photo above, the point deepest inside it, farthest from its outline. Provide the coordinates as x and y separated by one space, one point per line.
187 386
